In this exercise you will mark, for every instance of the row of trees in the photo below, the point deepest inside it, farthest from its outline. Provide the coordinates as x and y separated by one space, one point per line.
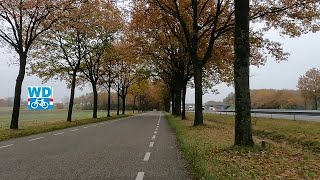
148 99
82 41
211 41
76 41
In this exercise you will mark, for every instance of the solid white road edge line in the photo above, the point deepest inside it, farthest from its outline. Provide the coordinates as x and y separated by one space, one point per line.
58 133
151 144
36 139
154 137
6 146
140 176
85 127
147 156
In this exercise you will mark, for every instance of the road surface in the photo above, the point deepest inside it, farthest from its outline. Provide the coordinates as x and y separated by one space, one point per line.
137 147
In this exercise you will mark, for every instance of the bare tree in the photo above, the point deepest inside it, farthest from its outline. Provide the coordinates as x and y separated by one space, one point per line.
23 22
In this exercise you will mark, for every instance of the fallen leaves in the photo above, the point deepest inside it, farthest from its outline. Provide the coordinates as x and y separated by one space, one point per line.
210 151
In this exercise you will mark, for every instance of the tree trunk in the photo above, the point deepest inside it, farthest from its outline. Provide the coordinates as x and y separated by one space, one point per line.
166 101
140 104
109 100
95 100
73 86
17 92
134 103
118 99
173 108
177 100
315 103
305 104
243 129
123 103
198 116
184 91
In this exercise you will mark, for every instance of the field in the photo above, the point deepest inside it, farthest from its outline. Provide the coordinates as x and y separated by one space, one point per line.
30 117
32 122
292 148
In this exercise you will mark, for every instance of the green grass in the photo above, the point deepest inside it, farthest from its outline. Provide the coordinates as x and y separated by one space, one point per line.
28 117
34 122
210 152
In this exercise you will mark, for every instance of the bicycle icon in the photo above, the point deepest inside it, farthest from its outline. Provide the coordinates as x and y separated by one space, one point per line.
39 102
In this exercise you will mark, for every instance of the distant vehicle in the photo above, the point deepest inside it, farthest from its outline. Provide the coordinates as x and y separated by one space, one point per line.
212 108
190 108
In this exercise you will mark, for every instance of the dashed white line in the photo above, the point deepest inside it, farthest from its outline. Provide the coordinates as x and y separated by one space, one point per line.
151 144
140 176
155 132
157 129
58 133
85 127
6 146
154 137
147 156
102 123
74 130
36 139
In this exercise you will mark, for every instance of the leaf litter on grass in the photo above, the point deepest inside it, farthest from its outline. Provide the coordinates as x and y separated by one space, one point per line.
212 146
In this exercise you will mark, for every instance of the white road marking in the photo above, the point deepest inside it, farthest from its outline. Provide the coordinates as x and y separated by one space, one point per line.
6 146
157 129
74 130
102 123
85 127
154 137
140 176
58 133
147 156
155 132
94 125
36 139
151 144
158 124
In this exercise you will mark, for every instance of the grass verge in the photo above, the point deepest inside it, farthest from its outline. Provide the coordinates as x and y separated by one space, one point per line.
210 152
47 126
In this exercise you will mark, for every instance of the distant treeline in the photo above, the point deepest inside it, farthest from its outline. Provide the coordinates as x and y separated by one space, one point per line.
145 102
85 102
275 99
8 102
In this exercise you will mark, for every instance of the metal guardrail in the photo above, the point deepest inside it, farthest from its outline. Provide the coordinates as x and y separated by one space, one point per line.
279 113
276 111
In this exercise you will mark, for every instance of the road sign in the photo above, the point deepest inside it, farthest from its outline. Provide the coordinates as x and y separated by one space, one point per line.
40 98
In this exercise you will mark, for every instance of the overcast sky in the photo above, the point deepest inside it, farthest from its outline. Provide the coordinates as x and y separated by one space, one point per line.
305 54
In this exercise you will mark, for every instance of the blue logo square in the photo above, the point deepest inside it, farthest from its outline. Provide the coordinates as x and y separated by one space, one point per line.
40 98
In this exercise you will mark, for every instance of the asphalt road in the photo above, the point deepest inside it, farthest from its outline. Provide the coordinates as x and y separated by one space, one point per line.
131 148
